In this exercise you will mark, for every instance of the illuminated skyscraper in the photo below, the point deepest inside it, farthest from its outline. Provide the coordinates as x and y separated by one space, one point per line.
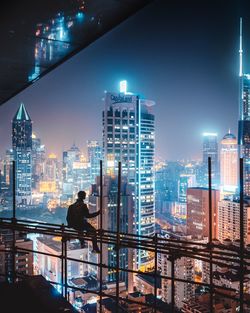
69 157
22 148
244 118
184 182
129 137
7 167
198 212
210 149
228 163
229 219
94 157
38 159
75 172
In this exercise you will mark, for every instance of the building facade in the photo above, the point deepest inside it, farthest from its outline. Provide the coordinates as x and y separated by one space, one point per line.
198 212
22 149
229 219
129 137
94 157
229 163
210 149
110 224
38 159
244 118
184 269
50 266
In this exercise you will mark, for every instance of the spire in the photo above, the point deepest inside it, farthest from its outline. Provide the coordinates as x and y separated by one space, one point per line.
241 50
22 114
229 131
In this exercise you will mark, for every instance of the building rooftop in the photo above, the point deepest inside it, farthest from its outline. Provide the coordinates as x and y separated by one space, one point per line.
55 243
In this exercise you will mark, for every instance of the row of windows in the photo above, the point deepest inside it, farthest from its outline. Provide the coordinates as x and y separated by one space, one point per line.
124 129
120 121
124 113
119 138
121 151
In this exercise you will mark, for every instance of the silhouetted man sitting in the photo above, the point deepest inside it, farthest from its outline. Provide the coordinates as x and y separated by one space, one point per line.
77 214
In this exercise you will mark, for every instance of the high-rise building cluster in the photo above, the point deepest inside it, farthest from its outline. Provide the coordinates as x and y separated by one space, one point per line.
167 198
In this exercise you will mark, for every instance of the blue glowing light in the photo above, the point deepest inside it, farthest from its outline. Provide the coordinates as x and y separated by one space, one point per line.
35 74
210 134
80 15
123 86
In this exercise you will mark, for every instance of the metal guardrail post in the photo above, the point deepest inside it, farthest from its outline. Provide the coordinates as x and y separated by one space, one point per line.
155 274
14 189
118 237
172 258
101 226
62 260
210 235
13 278
241 237
65 268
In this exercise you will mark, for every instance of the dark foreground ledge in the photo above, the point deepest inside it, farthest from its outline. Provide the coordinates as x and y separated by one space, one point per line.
33 294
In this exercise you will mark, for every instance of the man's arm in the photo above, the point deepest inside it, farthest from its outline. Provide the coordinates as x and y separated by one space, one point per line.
89 215
94 214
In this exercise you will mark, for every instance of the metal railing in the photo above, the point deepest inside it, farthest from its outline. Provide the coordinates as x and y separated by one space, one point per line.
234 257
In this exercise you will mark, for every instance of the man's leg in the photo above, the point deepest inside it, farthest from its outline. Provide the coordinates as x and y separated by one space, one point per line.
80 232
90 229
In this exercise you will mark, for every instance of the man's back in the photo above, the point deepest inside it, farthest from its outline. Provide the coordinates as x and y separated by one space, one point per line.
77 212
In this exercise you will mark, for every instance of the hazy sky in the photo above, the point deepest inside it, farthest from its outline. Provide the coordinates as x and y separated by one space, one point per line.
183 55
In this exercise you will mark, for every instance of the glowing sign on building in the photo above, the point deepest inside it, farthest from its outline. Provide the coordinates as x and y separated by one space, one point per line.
123 86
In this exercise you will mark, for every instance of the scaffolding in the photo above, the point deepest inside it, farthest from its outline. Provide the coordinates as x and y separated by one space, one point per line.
234 257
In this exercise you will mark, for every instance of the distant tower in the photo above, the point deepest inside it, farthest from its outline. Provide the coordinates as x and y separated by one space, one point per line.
210 149
69 158
129 137
244 118
38 159
8 174
198 212
229 163
94 157
22 149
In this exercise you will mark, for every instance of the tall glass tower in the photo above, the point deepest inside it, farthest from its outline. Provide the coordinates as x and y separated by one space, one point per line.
129 137
229 163
94 157
210 149
22 149
244 118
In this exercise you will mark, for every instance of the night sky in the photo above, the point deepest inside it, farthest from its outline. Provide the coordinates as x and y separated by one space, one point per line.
182 55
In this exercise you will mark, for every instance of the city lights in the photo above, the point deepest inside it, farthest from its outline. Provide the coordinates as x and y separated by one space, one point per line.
154 218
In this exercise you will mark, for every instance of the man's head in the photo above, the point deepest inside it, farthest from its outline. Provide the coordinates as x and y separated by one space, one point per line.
81 195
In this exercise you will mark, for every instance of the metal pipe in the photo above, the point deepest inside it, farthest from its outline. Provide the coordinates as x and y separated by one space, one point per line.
172 283
14 222
14 188
211 289
101 233
241 237
118 236
62 259
65 268
155 274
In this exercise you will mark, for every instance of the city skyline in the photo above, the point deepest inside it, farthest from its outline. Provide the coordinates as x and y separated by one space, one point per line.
65 99
134 145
